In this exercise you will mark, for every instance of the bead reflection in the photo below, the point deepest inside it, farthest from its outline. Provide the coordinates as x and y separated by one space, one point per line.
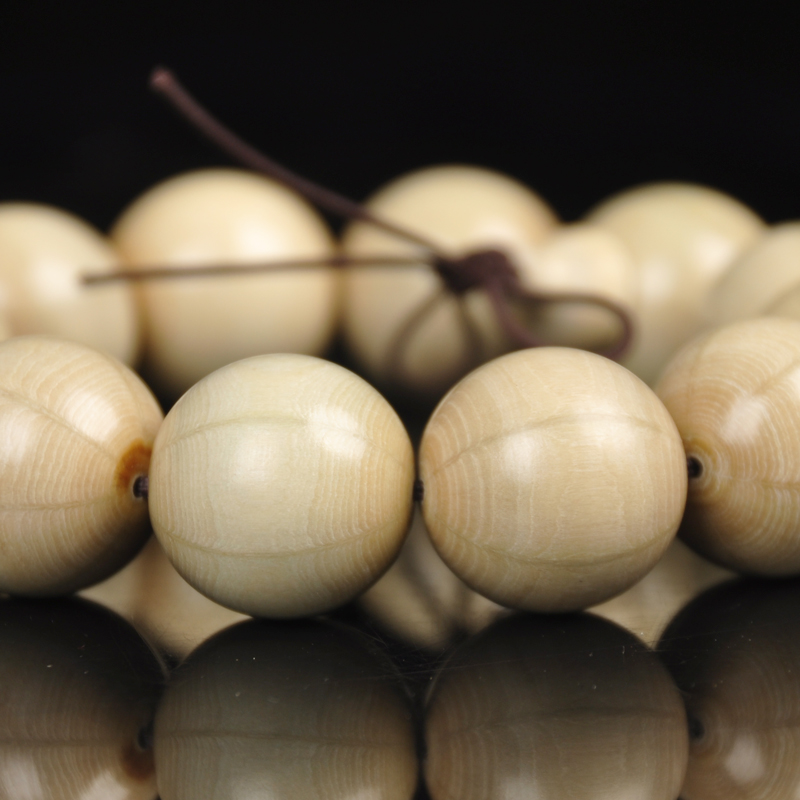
732 653
285 710
78 691
555 707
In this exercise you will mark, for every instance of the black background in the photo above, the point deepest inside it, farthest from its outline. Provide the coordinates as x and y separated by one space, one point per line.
578 100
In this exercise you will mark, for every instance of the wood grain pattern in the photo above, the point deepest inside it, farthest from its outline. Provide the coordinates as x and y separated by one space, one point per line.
291 709
566 707
219 217
281 485
553 478
43 254
79 690
683 238
76 430
735 396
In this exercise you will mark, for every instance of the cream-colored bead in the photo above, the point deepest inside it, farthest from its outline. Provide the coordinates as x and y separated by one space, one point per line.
284 710
422 601
683 238
646 608
281 485
733 653
581 259
553 479
219 217
151 594
735 397
461 209
44 252
80 689
765 281
555 707
77 428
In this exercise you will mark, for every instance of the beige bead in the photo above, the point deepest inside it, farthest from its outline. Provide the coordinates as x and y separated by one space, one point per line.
461 209
733 653
281 485
765 281
555 707
151 594
422 601
44 252
76 428
683 238
79 693
294 710
581 259
735 397
647 607
219 217
553 479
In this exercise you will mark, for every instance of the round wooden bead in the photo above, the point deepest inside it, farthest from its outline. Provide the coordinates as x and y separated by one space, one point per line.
77 428
735 396
554 707
44 252
80 688
421 601
581 259
281 485
732 653
553 479
462 209
683 238
294 710
151 594
765 281
223 217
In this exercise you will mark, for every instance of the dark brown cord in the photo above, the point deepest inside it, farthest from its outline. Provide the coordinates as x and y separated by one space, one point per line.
215 270
165 83
488 270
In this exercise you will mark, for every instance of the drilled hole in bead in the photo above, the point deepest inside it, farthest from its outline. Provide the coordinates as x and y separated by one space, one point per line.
694 467
141 487
696 729
144 739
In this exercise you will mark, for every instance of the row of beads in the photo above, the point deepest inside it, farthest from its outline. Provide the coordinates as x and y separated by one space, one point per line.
281 485
309 708
659 251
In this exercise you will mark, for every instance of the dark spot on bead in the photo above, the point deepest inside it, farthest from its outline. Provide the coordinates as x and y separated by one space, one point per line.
134 464
694 467
419 491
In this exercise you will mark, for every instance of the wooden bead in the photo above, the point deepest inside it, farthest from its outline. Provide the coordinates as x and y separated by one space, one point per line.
281 485
581 259
77 428
462 209
151 594
732 653
765 281
683 238
220 217
79 694
735 396
553 479
554 707
647 607
44 252
420 599
294 710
